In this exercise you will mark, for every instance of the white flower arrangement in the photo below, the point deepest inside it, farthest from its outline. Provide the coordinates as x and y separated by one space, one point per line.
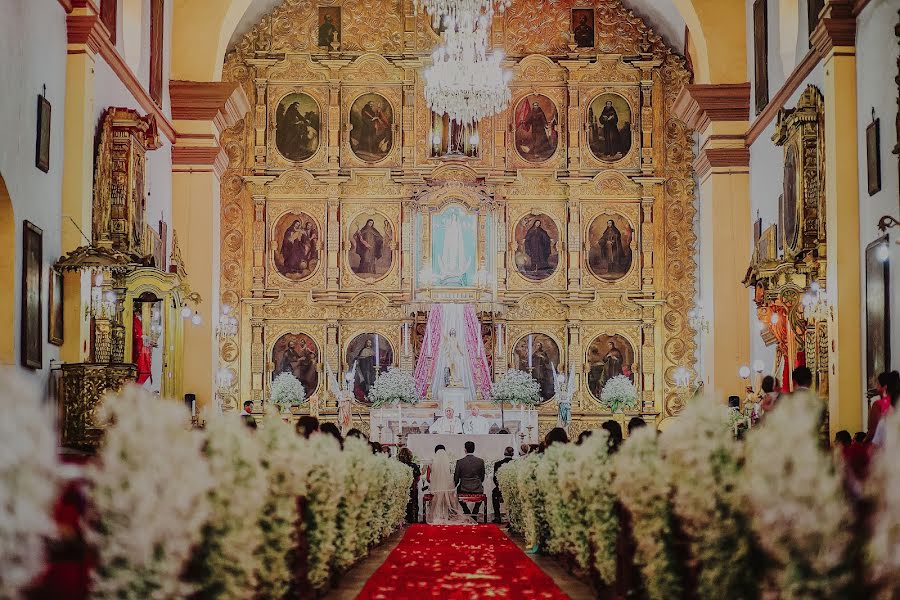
643 484
883 490
30 482
705 460
619 393
324 488
285 475
151 492
508 479
517 388
350 545
227 561
530 500
392 387
286 391
800 514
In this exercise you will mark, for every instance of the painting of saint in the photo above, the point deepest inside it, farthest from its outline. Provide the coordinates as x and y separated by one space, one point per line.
373 354
453 251
297 249
790 204
609 127
371 127
297 127
538 354
537 246
609 238
583 27
536 128
329 27
608 357
297 353
371 243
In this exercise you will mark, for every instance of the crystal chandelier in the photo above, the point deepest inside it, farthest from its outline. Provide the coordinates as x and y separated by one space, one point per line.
464 81
453 9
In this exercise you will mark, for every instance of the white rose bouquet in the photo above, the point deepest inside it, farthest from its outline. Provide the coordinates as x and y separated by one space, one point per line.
287 391
619 393
393 386
517 388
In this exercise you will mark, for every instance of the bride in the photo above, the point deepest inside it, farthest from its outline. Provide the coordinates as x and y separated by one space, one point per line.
444 508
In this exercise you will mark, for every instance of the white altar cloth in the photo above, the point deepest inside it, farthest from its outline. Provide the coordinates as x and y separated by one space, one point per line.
487 447
384 422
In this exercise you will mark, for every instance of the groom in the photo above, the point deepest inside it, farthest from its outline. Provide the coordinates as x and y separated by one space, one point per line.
469 476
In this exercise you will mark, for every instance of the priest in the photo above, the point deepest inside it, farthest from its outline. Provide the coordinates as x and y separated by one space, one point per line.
476 424
449 423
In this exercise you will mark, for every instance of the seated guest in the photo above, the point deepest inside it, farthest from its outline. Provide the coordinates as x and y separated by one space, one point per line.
306 425
332 429
248 408
376 448
635 423
496 496
524 449
842 441
469 476
615 436
356 433
557 434
803 379
583 436
770 394
412 506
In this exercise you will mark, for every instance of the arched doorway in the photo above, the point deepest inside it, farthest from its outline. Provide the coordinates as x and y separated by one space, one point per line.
8 251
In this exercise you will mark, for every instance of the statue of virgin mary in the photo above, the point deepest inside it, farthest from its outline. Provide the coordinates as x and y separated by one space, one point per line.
453 262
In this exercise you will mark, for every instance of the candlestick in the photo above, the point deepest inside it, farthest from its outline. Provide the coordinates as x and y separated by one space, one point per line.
530 354
377 356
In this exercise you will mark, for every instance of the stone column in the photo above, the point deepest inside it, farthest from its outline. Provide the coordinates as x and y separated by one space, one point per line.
835 39
719 114
201 112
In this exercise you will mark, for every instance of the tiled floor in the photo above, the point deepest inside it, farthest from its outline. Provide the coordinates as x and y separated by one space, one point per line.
353 581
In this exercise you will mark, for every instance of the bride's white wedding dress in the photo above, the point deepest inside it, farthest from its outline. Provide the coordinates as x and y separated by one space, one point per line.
444 508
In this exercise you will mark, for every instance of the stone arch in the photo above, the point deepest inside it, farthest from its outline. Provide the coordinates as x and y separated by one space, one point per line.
8 252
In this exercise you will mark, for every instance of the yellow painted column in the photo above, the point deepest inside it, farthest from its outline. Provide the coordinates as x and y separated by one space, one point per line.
85 30
834 38
719 113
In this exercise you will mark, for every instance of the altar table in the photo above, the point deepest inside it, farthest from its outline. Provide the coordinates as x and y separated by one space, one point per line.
487 447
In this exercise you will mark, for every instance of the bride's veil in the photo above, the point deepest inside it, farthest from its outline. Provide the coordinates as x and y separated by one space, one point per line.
444 508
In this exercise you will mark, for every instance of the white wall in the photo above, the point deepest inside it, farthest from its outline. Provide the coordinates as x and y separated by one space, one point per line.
32 54
877 51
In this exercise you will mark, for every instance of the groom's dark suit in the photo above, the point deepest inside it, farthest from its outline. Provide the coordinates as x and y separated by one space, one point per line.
469 478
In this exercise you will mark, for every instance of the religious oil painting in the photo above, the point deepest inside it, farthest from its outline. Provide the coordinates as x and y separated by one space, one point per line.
296 242
329 30
609 126
873 155
609 238
454 247
371 127
371 246
55 309
42 146
536 128
609 356
537 246
298 354
583 27
297 127
538 354
878 313
372 354
32 316
790 207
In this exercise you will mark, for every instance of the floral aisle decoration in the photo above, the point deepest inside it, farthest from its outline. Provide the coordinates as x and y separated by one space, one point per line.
150 489
324 488
350 544
883 490
534 524
557 517
30 482
619 394
226 562
286 391
392 387
799 511
593 477
285 475
508 480
706 460
517 388
643 485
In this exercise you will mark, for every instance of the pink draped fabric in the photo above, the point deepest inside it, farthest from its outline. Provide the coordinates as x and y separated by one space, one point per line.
425 365
478 362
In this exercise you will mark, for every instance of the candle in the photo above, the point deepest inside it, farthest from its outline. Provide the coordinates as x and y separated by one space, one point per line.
530 355
377 355
193 408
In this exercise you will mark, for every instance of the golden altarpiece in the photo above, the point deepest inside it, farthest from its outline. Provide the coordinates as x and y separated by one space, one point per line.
343 191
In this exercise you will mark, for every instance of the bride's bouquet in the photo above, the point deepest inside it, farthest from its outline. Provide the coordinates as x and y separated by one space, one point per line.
516 387
394 386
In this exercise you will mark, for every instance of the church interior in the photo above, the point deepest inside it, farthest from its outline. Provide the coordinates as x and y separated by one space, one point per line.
510 223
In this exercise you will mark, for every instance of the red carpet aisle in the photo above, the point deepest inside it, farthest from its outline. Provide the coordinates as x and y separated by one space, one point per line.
453 562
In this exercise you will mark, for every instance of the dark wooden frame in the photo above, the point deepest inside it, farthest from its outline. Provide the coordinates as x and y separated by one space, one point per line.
813 9
760 54
32 313
109 15
55 313
880 270
42 134
572 24
873 156
157 49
